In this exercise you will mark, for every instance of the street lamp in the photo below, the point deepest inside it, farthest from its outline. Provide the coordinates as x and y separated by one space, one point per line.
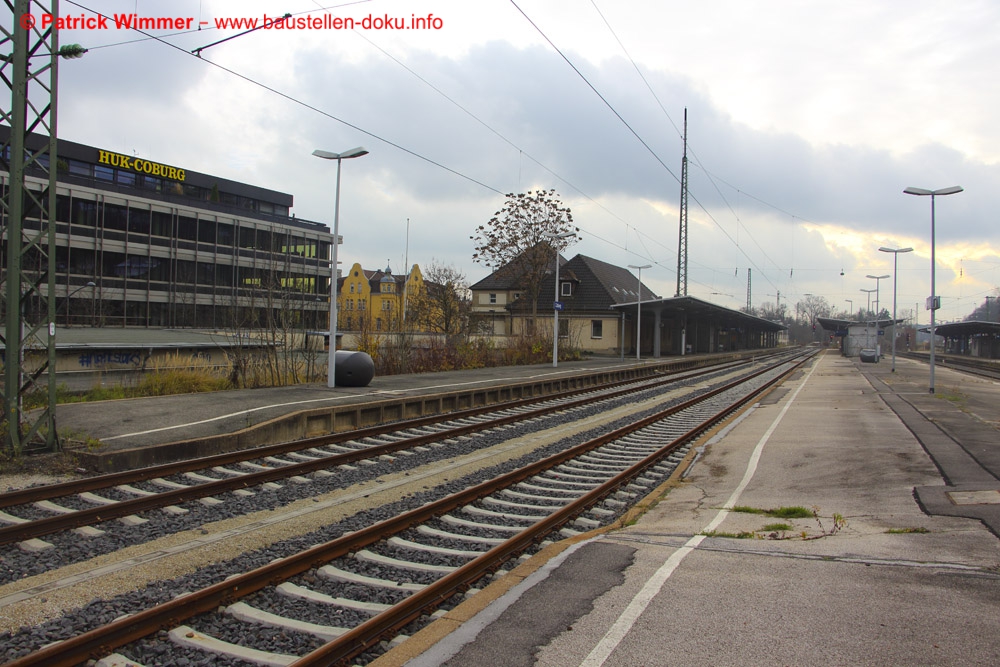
868 310
90 283
877 279
638 305
933 303
332 361
555 304
852 307
895 260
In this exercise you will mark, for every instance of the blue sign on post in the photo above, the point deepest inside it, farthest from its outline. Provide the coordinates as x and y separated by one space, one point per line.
558 305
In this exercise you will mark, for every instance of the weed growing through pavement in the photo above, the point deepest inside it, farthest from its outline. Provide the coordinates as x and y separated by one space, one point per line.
906 531
778 531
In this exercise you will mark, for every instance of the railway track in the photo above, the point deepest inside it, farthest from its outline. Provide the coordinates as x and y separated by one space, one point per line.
386 575
981 367
173 497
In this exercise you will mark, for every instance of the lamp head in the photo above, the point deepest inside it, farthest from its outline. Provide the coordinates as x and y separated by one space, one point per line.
328 155
943 191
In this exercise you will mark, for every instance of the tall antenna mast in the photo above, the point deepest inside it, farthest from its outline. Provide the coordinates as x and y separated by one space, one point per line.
682 236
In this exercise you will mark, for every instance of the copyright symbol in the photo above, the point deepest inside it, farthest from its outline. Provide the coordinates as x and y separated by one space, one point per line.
27 21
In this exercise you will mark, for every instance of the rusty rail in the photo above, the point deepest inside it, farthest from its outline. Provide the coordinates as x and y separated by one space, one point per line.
100 641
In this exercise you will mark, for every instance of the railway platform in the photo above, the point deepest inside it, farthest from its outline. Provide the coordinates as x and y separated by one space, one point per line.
140 432
896 560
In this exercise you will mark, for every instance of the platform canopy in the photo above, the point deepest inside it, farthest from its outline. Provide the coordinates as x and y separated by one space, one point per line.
836 324
695 309
961 329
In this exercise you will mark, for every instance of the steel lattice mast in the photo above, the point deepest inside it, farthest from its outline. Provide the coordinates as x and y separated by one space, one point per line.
682 237
29 69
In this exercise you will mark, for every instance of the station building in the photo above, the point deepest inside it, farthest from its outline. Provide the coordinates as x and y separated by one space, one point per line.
145 244
603 306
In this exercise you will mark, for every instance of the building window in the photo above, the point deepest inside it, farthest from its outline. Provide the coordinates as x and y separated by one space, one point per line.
566 289
596 328
378 324
352 288
493 298
103 173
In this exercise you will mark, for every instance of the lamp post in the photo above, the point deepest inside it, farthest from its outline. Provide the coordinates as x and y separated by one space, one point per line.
932 303
332 360
852 307
868 313
895 264
877 279
868 309
638 305
68 296
555 304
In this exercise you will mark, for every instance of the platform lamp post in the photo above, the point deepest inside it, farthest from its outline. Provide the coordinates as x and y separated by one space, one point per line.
638 306
851 301
877 279
932 303
331 367
555 304
70 295
878 304
868 310
895 272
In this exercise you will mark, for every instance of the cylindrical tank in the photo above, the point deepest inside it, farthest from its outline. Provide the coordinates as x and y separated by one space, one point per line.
353 369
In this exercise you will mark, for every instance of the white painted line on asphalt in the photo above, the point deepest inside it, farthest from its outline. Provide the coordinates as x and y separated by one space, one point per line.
220 417
651 589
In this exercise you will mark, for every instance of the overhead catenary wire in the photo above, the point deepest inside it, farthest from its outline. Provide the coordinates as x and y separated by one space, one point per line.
306 105
162 40
315 109
692 151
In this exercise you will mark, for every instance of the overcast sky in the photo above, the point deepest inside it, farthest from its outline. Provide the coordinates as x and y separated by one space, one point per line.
806 120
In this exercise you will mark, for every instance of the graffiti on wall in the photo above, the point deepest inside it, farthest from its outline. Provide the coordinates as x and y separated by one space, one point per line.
110 358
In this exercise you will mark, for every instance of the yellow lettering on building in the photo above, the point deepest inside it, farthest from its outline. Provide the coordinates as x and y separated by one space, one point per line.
139 165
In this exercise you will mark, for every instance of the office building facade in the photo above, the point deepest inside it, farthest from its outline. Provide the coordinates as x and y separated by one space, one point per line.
144 244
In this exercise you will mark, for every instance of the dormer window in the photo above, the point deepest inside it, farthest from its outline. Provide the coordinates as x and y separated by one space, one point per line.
566 289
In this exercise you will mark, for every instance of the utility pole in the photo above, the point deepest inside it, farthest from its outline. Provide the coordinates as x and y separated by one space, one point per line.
30 72
682 240
749 307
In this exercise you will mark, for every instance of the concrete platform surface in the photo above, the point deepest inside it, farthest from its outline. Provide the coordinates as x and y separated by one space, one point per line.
143 422
869 579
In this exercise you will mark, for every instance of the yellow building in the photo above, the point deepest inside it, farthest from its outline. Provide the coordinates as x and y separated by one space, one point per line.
373 300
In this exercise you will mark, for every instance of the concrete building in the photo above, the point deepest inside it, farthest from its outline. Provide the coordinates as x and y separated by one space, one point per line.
600 313
145 244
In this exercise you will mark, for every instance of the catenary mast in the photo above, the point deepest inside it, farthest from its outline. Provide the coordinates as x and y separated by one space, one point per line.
682 236
29 58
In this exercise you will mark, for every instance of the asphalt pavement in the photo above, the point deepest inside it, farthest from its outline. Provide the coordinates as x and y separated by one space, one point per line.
897 564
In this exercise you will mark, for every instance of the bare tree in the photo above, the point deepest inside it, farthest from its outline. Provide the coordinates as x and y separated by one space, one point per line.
444 305
812 307
517 239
